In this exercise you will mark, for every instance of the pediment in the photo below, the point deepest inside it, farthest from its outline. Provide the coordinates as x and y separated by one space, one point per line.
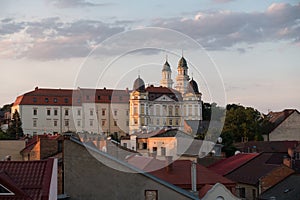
164 98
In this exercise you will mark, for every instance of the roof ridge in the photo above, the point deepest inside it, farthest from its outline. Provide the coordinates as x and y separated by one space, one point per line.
171 186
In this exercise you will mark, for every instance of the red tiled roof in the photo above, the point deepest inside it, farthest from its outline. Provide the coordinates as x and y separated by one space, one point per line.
69 97
180 175
204 190
156 92
252 171
32 178
227 165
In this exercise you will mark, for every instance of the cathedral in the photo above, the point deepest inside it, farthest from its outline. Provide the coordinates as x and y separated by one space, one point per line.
153 108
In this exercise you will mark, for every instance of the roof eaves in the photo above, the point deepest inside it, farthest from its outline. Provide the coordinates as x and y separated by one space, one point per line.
171 186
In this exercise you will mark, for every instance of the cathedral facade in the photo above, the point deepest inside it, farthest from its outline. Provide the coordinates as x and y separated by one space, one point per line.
152 108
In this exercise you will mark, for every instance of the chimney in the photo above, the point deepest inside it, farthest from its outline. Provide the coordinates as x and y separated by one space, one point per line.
287 161
194 177
169 163
8 158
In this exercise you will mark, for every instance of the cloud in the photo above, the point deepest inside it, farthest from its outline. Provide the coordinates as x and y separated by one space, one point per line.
51 38
75 3
224 29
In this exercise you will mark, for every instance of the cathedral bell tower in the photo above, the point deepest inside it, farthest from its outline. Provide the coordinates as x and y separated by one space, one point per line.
182 79
166 80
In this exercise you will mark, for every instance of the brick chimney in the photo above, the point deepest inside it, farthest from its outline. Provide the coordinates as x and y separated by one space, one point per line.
287 161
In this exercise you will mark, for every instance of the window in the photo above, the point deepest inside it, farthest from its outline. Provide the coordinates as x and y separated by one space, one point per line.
144 145
55 112
34 99
66 100
190 110
103 122
87 97
151 195
66 122
163 151
109 97
157 121
99 97
66 112
48 112
34 124
115 112
127 123
242 192
176 122
177 110
91 112
55 100
54 123
135 121
91 122
34 111
125 145
170 110
46 100
127 112
78 112
170 122
120 98
115 123
154 149
78 100
103 112
253 194
78 123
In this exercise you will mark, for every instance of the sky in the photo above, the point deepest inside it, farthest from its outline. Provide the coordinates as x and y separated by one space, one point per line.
239 51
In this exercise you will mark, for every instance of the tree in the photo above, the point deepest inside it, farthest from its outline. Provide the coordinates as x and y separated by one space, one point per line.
6 107
15 130
241 124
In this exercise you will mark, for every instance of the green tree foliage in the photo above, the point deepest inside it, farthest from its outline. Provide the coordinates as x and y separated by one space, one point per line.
15 130
241 124
6 107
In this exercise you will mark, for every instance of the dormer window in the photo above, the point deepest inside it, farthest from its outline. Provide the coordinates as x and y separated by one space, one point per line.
4 191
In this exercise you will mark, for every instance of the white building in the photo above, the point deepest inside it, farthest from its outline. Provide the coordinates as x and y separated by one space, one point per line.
154 108
82 110
113 111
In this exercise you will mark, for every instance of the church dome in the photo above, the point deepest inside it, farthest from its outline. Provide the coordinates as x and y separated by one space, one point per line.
193 87
166 67
139 85
182 63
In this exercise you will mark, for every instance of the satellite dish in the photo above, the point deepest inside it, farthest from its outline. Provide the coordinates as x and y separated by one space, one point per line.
220 140
237 152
